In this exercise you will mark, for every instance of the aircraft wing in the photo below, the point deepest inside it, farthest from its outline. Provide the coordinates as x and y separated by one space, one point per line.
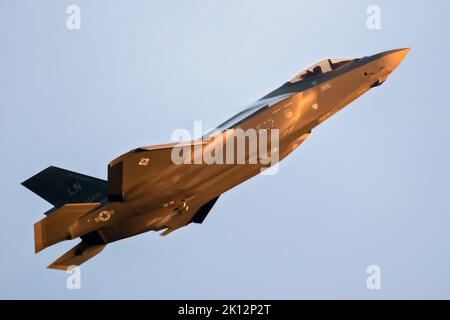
151 165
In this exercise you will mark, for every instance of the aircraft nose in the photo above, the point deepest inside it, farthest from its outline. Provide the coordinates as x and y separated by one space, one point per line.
394 58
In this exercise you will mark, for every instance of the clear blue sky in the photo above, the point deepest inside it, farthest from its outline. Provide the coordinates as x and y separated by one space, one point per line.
370 186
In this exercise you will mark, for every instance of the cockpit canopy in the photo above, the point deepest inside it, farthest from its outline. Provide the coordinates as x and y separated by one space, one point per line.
320 67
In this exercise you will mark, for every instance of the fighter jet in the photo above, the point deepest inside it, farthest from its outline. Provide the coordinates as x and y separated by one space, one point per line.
147 190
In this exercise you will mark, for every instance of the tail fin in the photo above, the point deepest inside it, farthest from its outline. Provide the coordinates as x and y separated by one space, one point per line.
77 255
59 187
56 227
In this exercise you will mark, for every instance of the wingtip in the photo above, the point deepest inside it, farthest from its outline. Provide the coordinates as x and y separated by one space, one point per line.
38 237
61 267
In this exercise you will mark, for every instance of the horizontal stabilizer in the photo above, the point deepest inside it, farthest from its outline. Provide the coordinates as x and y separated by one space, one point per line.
55 227
76 256
59 186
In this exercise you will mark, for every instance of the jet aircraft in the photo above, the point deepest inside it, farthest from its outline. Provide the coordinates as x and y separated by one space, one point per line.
145 190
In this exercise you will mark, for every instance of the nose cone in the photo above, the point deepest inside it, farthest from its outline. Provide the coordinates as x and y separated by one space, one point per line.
393 58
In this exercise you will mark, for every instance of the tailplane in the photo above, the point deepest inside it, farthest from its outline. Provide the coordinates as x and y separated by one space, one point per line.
77 255
73 195
56 227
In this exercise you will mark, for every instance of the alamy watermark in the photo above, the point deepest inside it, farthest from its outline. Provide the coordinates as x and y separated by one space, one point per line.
73 21
373 282
374 19
73 281
231 146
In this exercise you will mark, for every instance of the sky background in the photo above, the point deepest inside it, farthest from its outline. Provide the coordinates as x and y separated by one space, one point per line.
370 187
